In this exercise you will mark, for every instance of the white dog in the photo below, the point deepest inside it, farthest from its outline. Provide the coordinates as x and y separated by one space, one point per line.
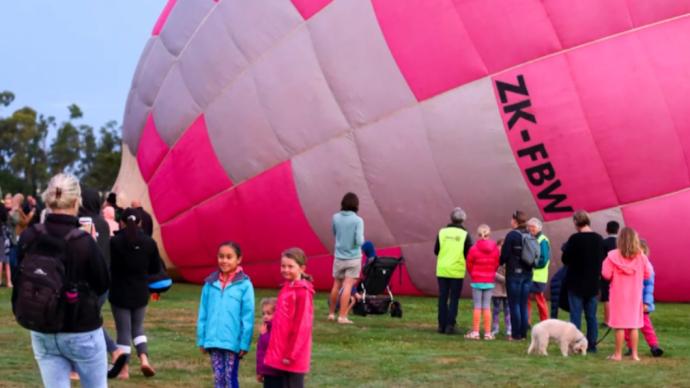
570 339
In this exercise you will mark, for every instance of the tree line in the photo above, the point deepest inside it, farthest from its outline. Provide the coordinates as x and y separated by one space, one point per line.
27 161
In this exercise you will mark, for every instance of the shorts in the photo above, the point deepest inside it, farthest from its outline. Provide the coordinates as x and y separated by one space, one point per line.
346 268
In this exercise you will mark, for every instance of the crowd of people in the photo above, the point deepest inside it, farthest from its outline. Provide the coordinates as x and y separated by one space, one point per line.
616 268
108 254
105 254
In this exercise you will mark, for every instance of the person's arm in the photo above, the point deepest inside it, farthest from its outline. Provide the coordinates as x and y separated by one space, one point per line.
648 295
506 249
359 233
545 254
648 270
296 341
567 252
99 279
201 318
154 260
607 270
468 245
469 263
247 318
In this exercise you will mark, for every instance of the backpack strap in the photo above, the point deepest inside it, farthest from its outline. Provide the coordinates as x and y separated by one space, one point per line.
69 267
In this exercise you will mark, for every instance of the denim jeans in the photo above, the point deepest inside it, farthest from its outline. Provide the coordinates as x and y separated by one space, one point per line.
518 287
577 304
448 288
57 354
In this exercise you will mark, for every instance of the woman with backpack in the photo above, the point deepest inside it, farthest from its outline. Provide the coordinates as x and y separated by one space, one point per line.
133 258
60 254
518 275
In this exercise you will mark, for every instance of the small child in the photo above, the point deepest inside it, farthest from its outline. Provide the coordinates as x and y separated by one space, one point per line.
482 263
648 299
226 316
265 374
625 268
289 349
499 298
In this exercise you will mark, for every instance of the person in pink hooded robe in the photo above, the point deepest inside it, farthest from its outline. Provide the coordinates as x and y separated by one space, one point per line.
626 268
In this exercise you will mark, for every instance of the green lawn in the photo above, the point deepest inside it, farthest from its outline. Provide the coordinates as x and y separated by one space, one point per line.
378 351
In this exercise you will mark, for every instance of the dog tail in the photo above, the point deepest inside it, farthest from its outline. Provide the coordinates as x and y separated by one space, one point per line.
531 346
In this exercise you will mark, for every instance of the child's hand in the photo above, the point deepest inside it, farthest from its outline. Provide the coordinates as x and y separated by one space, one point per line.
260 378
203 351
241 354
646 308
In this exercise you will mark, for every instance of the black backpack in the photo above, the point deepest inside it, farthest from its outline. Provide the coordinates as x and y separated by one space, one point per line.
42 288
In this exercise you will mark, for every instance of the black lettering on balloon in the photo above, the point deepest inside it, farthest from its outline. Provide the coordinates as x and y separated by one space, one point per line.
548 194
533 151
518 113
538 175
503 87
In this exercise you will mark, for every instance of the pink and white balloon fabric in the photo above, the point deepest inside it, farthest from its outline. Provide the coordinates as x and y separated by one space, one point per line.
250 119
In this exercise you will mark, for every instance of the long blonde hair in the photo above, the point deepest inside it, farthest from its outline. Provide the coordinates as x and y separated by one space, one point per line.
628 243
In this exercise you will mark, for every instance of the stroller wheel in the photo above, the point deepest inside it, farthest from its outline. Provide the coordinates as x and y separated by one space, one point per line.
396 309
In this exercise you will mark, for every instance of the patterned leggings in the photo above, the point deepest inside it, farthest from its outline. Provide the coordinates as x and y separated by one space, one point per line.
498 304
225 364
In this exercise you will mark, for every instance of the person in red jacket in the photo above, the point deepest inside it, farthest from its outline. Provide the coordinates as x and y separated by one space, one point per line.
289 349
482 263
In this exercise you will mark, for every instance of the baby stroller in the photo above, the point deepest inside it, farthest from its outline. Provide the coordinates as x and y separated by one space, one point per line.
376 295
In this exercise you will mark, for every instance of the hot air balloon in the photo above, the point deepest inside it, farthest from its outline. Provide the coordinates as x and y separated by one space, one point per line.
248 121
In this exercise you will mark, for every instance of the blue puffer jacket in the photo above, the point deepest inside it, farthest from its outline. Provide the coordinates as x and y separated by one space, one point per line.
226 316
648 293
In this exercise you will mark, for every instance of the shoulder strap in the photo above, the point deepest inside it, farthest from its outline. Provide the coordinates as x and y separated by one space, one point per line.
69 267
41 228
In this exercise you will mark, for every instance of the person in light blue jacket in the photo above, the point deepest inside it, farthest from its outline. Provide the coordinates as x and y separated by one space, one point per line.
226 316
348 229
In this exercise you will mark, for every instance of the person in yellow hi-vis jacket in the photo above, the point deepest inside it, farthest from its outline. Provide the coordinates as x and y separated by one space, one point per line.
452 244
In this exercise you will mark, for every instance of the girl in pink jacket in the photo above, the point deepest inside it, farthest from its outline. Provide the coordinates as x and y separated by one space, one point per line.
482 263
289 349
626 268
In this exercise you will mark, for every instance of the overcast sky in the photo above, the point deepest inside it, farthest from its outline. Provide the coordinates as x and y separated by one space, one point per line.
54 53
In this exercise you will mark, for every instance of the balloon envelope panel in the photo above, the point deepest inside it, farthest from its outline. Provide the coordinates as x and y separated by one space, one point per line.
248 121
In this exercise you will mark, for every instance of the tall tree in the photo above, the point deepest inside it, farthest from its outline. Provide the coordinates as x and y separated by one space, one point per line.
88 149
65 148
22 147
106 161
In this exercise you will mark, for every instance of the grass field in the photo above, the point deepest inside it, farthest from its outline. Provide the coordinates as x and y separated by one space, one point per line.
378 351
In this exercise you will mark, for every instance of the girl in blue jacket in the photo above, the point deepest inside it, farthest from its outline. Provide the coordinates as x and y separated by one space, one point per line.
226 316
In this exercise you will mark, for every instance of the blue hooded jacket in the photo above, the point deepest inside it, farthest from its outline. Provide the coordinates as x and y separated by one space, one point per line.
226 316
